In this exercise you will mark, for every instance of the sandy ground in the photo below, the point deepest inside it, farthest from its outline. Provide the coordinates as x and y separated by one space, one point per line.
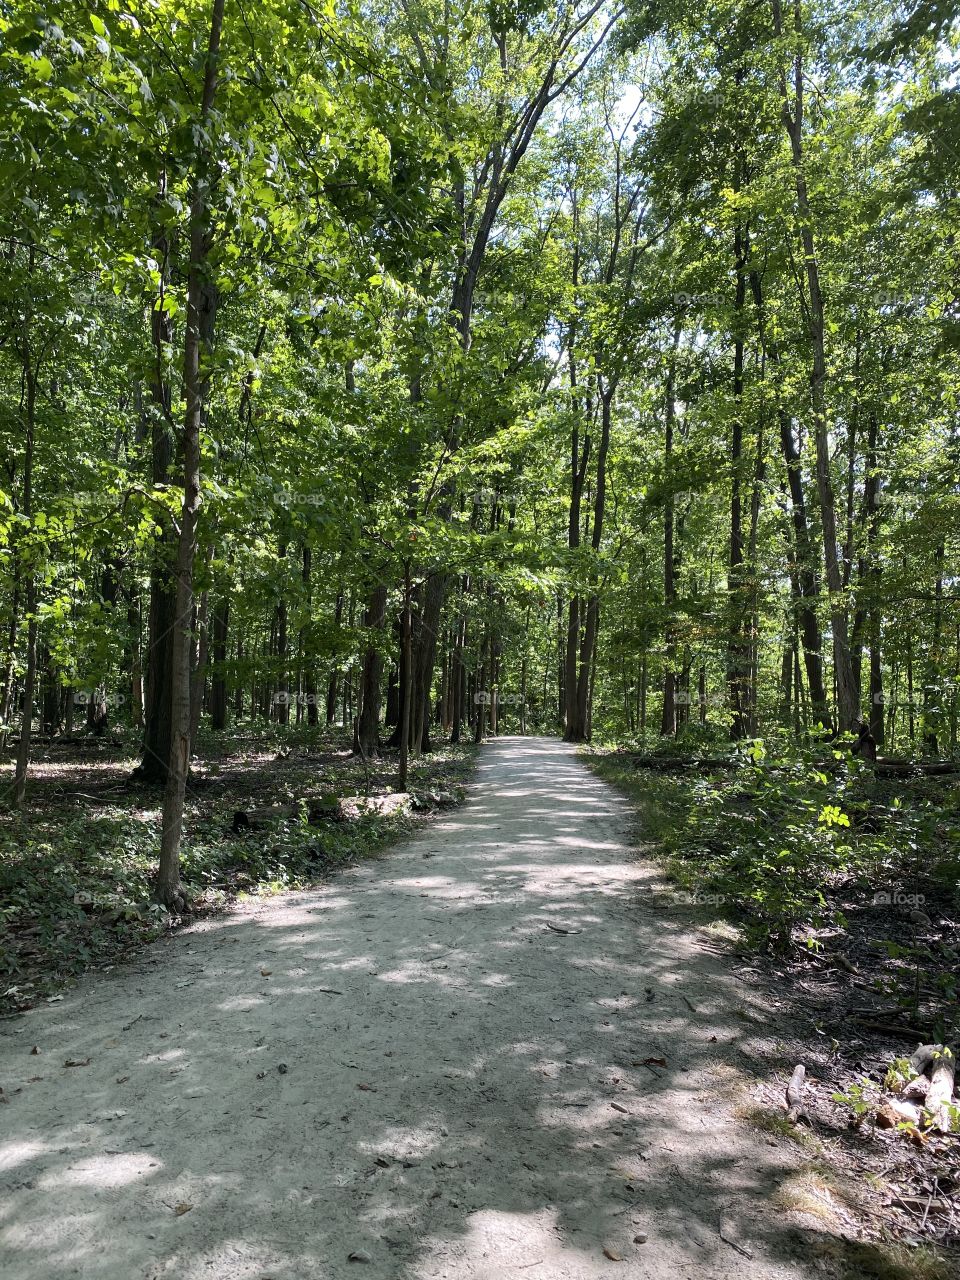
409 1065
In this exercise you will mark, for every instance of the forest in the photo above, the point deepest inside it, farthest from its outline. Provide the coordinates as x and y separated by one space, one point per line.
380 378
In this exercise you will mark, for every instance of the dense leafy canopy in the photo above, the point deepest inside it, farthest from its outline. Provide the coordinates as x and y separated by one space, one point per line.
604 361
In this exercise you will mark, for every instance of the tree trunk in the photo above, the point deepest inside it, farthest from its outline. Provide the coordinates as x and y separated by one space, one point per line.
425 659
332 684
459 674
668 720
406 667
162 603
579 731
737 678
848 708
806 587
28 571
134 625
218 687
13 627
368 721
199 321
201 648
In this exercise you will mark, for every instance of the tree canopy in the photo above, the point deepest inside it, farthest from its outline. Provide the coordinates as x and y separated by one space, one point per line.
433 369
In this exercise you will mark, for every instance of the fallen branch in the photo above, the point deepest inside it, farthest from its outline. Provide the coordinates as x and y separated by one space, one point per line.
904 768
795 1094
940 1093
886 1029
668 764
923 1056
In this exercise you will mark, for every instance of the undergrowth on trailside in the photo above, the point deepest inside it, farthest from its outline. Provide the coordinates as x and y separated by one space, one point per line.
75 883
778 846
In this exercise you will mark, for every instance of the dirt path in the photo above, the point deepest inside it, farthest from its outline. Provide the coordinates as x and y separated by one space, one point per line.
410 1065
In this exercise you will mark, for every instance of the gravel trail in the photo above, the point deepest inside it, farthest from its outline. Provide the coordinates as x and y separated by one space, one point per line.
434 1063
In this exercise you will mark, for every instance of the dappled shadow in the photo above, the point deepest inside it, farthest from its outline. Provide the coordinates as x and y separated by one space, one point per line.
488 1053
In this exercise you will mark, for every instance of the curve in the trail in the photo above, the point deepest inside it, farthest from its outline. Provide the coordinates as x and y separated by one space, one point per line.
434 1063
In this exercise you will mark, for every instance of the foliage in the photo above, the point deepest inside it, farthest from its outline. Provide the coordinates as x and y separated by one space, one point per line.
781 845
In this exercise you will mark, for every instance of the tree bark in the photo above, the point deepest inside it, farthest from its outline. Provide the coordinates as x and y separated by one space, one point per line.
579 731
368 721
332 683
668 719
155 754
28 571
218 686
737 676
848 702
200 306
406 629
806 587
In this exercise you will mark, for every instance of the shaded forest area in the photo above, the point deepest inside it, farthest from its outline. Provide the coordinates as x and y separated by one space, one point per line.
375 379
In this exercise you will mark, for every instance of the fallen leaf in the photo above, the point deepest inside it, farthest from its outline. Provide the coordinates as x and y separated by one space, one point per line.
265 973
367 1088
613 1256
35 1049
122 1079
650 1062
359 1255
77 1062
617 1107
182 1208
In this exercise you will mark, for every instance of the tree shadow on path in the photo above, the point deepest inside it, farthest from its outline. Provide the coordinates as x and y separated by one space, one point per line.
446 1063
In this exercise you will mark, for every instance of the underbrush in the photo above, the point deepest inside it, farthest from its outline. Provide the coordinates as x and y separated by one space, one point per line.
781 845
77 868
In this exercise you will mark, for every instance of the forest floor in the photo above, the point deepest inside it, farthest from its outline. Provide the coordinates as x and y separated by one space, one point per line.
499 1051
857 985
76 866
